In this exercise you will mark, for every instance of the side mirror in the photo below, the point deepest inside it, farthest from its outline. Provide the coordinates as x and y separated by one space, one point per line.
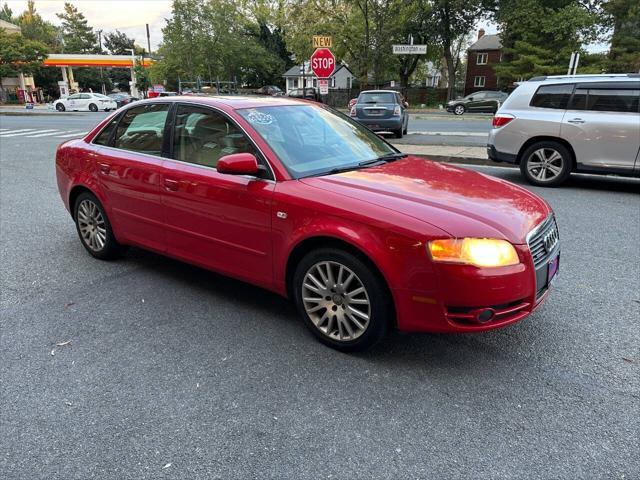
470 99
238 164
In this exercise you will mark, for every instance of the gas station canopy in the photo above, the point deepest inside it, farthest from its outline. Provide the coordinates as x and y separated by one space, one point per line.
81 60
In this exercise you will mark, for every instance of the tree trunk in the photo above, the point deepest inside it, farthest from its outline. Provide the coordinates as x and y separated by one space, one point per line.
451 73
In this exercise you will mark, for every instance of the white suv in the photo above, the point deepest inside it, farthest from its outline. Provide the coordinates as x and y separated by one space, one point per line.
552 126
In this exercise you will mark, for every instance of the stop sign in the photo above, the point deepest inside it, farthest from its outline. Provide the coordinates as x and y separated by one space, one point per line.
323 62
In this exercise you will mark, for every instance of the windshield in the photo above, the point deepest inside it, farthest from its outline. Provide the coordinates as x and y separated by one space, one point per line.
312 140
377 97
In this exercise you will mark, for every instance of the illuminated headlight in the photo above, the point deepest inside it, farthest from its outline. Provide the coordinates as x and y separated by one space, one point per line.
481 252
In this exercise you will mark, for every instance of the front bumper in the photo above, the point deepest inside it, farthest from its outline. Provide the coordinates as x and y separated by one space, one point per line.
510 293
381 124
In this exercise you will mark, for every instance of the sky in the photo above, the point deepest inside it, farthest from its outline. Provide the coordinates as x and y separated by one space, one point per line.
128 16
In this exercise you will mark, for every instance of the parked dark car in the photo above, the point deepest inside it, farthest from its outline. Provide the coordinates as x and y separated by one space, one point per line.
122 99
306 93
381 111
269 90
479 102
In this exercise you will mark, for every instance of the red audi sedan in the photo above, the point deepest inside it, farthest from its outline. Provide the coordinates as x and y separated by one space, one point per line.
301 200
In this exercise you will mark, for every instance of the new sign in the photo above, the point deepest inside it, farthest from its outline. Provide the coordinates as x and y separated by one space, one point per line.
409 49
323 63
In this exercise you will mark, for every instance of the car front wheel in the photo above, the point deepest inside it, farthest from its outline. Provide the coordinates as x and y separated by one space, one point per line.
546 164
459 109
94 228
341 300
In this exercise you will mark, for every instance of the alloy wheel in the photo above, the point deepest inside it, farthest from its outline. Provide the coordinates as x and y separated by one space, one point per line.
459 110
91 225
545 164
336 301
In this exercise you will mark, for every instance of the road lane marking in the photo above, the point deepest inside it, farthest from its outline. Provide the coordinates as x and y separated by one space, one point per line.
22 131
74 134
44 133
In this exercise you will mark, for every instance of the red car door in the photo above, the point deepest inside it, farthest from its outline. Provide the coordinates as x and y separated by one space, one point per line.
129 170
219 221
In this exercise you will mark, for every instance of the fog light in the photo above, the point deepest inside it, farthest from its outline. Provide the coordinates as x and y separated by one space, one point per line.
483 316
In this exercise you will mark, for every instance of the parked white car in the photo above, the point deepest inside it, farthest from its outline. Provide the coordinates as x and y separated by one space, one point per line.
92 102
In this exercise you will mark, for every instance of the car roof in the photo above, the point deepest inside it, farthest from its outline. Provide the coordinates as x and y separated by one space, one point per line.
233 101
379 91
613 77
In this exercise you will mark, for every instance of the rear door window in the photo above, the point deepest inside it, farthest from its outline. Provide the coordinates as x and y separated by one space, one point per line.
552 96
142 129
606 100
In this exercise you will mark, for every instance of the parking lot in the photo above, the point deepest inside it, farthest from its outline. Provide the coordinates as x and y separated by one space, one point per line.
149 368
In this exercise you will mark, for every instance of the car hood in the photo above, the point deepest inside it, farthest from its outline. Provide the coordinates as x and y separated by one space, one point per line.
462 202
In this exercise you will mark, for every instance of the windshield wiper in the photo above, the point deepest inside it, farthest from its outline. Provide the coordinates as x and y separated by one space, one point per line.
389 157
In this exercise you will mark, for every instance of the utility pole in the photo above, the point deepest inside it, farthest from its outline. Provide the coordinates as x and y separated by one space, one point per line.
148 40
104 89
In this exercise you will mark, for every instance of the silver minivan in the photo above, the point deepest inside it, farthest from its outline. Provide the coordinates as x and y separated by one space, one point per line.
552 126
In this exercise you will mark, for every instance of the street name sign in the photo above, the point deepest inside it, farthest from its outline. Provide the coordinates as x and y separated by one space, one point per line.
322 41
323 63
409 49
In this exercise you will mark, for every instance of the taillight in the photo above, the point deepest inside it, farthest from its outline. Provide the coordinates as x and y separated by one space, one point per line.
396 111
352 112
501 120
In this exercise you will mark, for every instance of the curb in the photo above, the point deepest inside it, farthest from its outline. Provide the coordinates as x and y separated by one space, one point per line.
40 113
464 160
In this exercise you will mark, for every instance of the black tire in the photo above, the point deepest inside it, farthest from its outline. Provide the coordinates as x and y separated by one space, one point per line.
459 109
60 107
93 107
399 133
559 163
379 306
111 248
406 128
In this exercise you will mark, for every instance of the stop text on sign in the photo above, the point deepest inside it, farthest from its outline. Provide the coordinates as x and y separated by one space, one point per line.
323 63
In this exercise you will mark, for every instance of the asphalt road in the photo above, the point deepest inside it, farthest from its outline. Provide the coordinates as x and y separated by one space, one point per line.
175 372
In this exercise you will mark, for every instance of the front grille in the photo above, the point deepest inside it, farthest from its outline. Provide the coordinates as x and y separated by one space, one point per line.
543 240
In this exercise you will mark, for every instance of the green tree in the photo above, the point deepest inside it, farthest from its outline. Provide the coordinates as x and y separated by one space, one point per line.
6 13
143 81
19 54
538 36
118 43
77 35
623 16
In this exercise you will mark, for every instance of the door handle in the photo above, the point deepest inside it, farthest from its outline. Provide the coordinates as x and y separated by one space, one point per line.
170 184
576 120
104 168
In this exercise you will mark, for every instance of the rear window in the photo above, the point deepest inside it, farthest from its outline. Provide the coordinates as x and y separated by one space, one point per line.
377 97
606 100
552 96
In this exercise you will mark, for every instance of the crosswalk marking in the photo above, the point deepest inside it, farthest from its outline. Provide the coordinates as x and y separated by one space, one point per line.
38 133
44 133
74 134
16 133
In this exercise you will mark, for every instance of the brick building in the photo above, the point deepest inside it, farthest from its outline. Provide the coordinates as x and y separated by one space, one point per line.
481 57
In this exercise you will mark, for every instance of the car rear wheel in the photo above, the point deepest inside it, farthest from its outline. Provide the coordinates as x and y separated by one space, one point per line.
341 300
94 228
459 109
93 107
60 107
546 164
398 133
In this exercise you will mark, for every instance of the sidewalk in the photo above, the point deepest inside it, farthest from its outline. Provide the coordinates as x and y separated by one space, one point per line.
451 154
